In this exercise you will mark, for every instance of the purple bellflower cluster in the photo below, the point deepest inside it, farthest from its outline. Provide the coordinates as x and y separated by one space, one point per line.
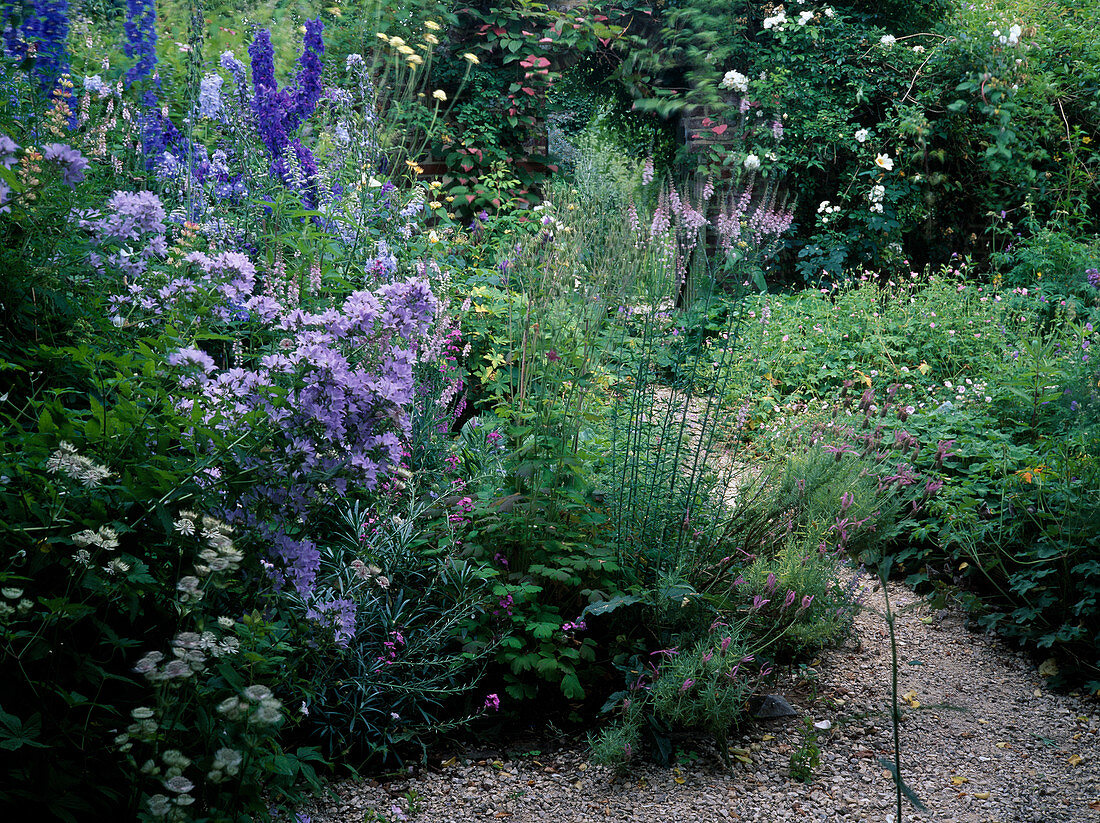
336 389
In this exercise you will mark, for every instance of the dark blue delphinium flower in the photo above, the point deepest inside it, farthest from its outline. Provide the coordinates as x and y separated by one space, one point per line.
268 102
12 30
48 29
279 112
302 100
141 38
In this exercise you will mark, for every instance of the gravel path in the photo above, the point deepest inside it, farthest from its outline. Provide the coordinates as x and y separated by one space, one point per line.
983 740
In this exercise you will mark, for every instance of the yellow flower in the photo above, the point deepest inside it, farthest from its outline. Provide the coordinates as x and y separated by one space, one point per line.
440 95
471 58
435 184
433 237
381 35
431 38
431 25
450 198
335 11
396 41
415 60
414 166
435 204
406 50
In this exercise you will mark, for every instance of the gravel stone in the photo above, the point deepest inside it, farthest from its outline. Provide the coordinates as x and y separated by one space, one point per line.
983 741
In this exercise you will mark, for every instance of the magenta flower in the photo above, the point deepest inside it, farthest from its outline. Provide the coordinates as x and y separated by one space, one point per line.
492 701
759 602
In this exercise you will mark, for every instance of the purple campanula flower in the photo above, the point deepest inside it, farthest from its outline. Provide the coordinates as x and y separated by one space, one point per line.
73 163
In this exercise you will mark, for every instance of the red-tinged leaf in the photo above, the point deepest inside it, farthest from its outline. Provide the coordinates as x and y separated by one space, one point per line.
720 129
526 33
604 41
496 202
707 121
466 166
529 91
601 18
694 137
553 167
499 32
542 61
547 40
483 29
470 198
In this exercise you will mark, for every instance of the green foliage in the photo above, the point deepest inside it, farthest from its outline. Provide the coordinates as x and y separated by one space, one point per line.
993 390
806 757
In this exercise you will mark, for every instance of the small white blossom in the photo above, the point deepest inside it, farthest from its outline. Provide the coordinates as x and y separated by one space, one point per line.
734 81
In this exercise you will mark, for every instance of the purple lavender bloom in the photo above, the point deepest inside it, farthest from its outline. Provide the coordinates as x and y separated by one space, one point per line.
73 163
141 38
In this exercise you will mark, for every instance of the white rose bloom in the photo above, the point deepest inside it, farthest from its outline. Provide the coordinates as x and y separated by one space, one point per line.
862 135
752 162
888 40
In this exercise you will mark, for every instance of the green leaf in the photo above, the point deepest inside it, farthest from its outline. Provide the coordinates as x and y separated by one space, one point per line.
607 606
